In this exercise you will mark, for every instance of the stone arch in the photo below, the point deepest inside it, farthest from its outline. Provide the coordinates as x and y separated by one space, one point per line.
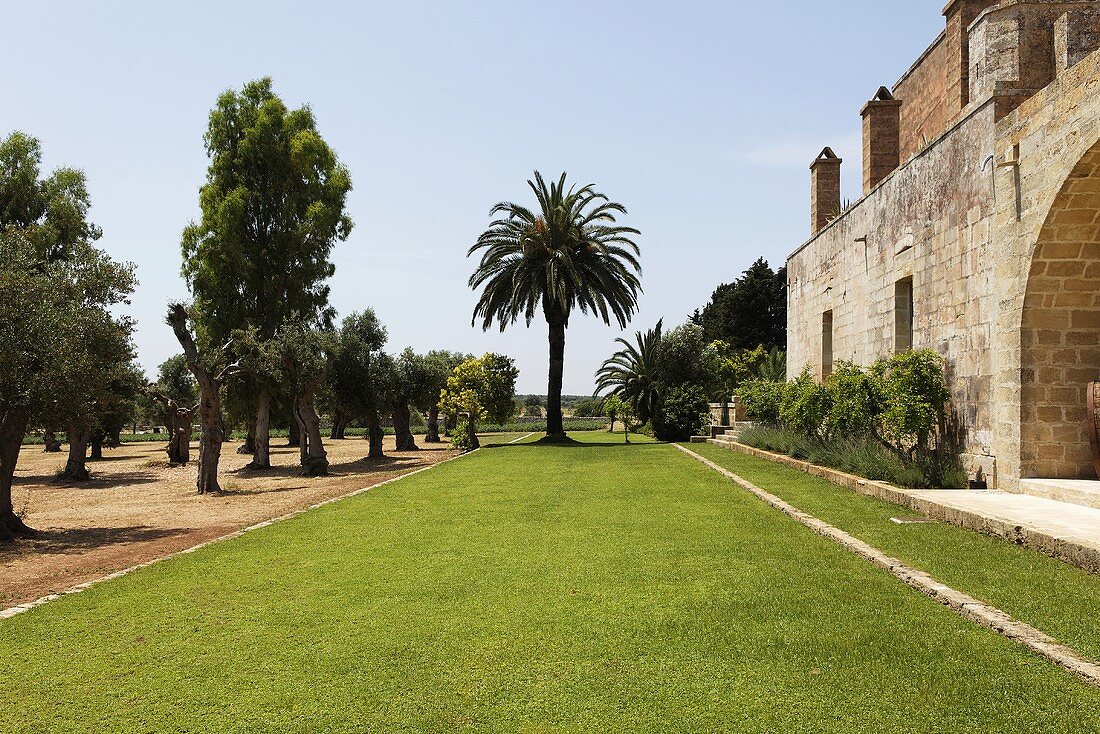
1060 331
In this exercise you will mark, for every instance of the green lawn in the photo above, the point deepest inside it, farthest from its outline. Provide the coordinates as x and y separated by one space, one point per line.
1042 591
602 588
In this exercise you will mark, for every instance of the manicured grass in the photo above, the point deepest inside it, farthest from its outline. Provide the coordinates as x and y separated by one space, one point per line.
1060 599
603 588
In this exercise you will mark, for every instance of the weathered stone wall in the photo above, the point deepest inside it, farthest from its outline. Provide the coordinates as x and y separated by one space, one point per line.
997 222
929 221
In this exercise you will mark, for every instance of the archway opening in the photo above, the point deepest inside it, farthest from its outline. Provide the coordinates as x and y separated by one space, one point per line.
1060 332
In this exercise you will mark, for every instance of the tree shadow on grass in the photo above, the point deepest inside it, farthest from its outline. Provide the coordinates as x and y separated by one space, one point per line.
76 540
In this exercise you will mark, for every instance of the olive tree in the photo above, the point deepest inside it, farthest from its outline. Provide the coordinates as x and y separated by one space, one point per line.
440 364
210 370
61 339
360 375
177 393
48 309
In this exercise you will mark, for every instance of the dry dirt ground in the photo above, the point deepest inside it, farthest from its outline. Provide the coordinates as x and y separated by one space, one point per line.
136 507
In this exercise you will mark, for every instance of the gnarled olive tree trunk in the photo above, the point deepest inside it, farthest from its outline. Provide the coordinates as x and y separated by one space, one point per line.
375 435
554 423
95 442
294 437
211 431
340 422
50 442
13 426
402 427
261 433
312 451
433 425
180 418
76 469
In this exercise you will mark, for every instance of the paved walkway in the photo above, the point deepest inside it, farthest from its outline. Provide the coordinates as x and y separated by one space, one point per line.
1073 523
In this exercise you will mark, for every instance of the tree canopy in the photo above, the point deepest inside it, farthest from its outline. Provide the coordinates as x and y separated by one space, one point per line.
749 312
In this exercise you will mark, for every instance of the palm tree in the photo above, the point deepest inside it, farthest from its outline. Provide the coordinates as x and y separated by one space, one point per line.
569 254
631 373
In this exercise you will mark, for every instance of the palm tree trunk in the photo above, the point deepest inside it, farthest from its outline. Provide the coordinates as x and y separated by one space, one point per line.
554 423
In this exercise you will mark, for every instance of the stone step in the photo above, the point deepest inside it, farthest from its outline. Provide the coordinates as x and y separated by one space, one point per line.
1084 492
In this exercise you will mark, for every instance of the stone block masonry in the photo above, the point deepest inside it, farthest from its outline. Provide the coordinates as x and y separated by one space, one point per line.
987 220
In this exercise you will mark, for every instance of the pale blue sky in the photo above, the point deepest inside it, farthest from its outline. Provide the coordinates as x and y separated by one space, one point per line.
700 117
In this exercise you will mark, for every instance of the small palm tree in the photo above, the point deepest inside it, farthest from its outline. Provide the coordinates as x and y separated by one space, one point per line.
631 373
568 254
774 366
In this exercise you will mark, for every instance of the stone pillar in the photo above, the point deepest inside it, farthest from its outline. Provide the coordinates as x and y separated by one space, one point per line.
824 190
881 138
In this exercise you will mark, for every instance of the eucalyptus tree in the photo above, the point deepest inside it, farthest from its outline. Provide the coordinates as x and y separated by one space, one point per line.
570 253
49 309
633 373
272 210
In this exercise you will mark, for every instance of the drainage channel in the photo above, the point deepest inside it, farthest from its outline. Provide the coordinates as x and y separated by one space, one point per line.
963 604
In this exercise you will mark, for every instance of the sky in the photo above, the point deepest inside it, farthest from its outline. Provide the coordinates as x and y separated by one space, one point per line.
700 117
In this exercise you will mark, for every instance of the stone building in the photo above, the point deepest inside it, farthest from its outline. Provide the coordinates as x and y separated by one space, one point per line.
977 235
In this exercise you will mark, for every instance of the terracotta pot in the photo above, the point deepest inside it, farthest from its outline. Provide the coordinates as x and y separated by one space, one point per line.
1094 424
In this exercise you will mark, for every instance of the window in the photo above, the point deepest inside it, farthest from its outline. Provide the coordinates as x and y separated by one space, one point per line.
826 344
903 315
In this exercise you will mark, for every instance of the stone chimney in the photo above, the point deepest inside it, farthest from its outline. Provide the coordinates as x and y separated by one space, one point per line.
824 190
1076 35
960 14
881 138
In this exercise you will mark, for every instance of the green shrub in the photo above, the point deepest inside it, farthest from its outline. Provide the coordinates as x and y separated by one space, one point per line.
682 414
805 405
862 456
460 438
855 402
761 399
890 422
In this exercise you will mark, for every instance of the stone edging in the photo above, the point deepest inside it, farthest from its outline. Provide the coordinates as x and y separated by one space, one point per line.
27 606
1031 537
964 604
